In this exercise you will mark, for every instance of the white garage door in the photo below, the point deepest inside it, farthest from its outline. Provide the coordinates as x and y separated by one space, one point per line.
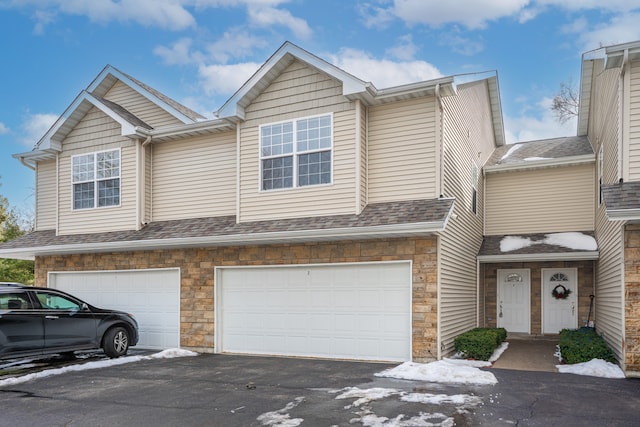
152 296
352 311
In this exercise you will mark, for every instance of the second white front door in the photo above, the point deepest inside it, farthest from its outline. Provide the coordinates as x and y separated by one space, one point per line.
559 302
514 300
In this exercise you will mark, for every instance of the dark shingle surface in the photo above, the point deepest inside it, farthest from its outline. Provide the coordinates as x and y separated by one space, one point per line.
622 196
555 148
380 214
491 245
124 113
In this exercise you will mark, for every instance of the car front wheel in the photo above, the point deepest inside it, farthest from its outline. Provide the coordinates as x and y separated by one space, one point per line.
116 342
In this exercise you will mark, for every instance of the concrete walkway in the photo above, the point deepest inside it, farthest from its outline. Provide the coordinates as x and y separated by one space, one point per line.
529 354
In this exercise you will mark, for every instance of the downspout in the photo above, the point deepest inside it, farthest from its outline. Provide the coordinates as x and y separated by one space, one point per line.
622 135
439 131
142 179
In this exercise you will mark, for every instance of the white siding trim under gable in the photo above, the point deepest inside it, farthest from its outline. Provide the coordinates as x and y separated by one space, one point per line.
46 195
97 132
299 91
140 106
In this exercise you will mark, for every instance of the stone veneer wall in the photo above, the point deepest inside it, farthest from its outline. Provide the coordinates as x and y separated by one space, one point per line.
197 277
632 299
489 279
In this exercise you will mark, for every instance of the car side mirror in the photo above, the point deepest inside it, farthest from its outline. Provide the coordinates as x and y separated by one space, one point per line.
84 307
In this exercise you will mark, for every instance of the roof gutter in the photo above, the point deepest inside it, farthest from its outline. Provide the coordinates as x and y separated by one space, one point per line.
347 233
563 256
537 164
623 214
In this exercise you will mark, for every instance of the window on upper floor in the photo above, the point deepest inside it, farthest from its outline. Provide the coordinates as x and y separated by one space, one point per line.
474 188
296 153
96 179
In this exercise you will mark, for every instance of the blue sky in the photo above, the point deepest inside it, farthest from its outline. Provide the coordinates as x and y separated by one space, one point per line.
200 51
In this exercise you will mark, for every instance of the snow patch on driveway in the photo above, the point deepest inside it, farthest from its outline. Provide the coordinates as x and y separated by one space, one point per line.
281 418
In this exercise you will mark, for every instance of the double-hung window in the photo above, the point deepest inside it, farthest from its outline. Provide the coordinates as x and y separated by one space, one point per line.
296 153
96 179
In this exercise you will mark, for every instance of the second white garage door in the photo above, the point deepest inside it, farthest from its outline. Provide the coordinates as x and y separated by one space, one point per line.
152 296
351 311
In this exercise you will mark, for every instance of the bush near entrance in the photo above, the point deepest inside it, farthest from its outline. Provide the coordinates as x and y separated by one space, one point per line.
479 343
582 345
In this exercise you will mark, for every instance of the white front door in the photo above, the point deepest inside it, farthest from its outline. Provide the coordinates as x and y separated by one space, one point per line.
514 300
559 301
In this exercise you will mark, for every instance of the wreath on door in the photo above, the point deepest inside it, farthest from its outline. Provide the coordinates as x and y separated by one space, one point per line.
560 292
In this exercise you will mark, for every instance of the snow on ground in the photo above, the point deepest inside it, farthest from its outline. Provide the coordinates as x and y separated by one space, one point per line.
166 354
593 368
452 371
281 418
572 240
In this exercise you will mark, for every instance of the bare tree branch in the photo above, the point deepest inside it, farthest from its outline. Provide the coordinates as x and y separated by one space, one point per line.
565 103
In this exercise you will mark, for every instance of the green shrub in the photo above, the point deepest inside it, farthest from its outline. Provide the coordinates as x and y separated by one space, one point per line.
479 343
582 345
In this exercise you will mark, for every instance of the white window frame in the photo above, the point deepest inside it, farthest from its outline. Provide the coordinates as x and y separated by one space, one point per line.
295 153
95 180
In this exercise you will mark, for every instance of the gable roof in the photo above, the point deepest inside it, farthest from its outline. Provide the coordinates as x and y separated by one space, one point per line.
541 153
392 219
352 87
51 142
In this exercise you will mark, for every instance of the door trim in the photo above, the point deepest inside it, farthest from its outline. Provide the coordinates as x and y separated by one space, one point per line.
525 272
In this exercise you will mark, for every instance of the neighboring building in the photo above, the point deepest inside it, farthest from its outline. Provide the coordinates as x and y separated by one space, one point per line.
320 216
315 216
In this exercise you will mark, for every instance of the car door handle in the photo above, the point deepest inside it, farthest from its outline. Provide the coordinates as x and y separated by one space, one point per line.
51 317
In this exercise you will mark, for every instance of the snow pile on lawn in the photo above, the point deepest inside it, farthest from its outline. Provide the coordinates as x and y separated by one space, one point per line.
593 368
166 354
575 241
452 371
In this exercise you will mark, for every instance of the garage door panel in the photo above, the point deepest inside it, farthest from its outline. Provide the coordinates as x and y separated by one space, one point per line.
152 296
359 311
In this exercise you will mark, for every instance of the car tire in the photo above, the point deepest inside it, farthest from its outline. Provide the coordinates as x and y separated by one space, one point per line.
116 342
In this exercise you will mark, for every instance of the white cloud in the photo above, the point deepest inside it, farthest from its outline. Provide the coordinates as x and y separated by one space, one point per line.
225 79
235 43
179 53
619 29
3 129
537 123
404 50
383 72
609 5
35 126
267 16
463 45
472 15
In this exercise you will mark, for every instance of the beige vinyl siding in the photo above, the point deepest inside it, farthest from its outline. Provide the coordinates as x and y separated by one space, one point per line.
194 178
402 151
97 132
603 130
467 134
46 195
634 122
140 106
299 92
541 200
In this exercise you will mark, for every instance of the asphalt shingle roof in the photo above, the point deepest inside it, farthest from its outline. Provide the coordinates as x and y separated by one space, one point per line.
491 245
555 148
623 196
379 214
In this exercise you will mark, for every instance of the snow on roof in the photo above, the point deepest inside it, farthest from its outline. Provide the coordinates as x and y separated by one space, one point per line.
511 151
571 240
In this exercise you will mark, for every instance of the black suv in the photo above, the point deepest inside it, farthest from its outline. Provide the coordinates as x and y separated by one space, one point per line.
35 321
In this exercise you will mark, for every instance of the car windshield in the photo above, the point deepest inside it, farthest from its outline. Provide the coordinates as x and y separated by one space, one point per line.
56 302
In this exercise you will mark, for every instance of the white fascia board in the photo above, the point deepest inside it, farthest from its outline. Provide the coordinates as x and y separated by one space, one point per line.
236 239
562 256
537 164
127 128
623 214
179 130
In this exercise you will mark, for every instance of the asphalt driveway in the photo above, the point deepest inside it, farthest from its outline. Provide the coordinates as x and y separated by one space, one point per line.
227 390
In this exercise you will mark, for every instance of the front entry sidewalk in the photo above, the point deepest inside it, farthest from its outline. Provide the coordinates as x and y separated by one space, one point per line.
529 353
